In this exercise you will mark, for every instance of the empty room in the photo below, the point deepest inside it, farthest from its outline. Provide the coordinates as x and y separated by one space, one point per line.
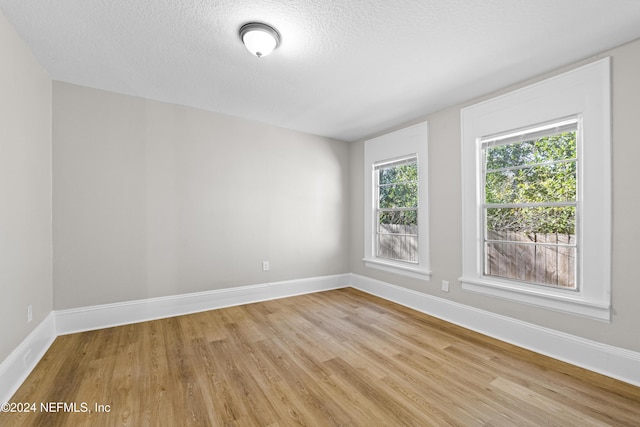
318 212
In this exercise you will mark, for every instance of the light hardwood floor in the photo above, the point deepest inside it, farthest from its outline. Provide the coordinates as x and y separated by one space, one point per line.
333 358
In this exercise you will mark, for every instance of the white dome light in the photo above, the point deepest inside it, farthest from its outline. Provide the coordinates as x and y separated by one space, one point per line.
260 39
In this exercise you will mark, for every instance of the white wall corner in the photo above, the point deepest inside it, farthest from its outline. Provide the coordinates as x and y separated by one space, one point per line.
608 360
15 369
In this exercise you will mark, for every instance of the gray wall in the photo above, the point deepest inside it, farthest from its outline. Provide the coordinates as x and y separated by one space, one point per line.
445 204
25 190
152 199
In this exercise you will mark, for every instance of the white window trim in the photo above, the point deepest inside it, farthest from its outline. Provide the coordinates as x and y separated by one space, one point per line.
410 141
583 92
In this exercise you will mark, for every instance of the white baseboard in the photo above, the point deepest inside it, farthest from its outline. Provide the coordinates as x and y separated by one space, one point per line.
108 315
608 360
19 364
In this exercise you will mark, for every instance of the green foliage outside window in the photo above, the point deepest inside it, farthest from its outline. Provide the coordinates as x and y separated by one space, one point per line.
538 171
398 188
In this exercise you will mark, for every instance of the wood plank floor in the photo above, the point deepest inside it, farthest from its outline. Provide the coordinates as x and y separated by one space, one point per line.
333 358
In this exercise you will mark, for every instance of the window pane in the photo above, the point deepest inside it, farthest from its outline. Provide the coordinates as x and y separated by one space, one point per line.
399 195
548 149
537 184
398 247
535 263
397 235
405 221
560 220
399 173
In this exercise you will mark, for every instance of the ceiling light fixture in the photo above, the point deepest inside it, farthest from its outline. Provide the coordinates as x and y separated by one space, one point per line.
260 39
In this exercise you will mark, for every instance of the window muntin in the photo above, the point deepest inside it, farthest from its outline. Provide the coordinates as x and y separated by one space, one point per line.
530 205
396 184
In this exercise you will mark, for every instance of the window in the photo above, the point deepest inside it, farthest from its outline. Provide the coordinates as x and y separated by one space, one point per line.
397 210
537 194
530 205
396 221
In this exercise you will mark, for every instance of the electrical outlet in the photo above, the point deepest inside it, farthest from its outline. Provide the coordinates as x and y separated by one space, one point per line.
29 314
265 265
445 286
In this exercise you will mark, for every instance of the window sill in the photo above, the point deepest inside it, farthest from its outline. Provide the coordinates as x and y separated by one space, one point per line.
552 299
398 268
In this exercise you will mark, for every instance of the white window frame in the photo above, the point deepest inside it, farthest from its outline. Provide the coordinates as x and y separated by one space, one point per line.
408 142
584 93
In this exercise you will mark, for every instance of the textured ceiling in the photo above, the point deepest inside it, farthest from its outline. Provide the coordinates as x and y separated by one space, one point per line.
345 69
